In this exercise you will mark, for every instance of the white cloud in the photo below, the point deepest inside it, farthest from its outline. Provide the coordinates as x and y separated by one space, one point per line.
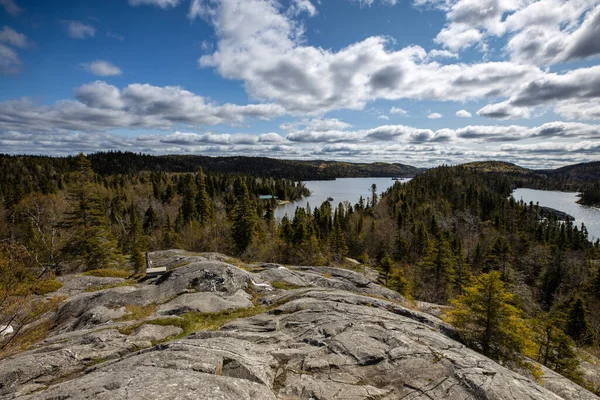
10 7
383 116
300 6
13 38
391 143
10 61
463 114
435 116
398 110
317 124
573 94
265 48
101 106
442 54
157 3
543 32
102 68
79 30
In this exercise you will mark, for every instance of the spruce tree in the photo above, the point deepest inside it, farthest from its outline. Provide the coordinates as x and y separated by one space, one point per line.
137 245
244 219
204 209
577 325
488 322
386 265
94 242
150 221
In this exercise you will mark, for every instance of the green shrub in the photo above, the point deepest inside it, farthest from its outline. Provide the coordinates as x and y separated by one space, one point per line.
48 286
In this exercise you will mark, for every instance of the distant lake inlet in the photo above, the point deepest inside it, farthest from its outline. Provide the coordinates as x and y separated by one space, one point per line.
566 202
341 190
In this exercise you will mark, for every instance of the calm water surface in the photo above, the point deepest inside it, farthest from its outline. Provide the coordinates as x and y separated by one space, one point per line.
350 189
341 190
564 201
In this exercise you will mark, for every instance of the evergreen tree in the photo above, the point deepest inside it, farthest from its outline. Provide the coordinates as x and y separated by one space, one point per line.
577 325
556 349
168 234
386 265
244 219
150 221
188 201
137 245
94 241
204 208
488 322
438 267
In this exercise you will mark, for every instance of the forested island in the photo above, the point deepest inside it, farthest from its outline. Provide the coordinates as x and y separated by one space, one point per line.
452 236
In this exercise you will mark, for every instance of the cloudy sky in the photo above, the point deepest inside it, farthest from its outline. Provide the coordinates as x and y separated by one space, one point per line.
421 82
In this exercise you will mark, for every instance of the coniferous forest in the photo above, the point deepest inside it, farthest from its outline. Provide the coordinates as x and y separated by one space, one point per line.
513 281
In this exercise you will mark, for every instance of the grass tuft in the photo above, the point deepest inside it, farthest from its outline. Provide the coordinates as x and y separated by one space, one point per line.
110 285
284 285
136 313
47 286
108 273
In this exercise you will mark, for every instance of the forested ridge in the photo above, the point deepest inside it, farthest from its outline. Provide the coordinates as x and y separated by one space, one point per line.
452 236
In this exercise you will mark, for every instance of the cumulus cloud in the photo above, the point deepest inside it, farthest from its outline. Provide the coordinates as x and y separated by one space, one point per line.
79 30
157 3
10 7
264 47
392 143
299 6
10 62
463 114
102 68
574 95
100 106
13 38
398 111
435 116
543 32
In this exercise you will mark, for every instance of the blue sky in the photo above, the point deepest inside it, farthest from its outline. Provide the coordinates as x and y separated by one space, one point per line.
421 82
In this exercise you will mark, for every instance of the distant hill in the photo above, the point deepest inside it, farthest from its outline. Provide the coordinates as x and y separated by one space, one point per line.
575 177
579 172
497 166
125 163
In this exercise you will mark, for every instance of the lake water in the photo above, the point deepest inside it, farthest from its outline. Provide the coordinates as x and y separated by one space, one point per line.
350 189
341 190
566 202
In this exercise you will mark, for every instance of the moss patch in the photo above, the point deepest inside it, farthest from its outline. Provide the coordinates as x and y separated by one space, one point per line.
108 273
195 321
136 313
111 285
284 285
47 286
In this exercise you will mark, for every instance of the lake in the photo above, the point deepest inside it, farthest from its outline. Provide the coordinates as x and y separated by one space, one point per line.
566 202
350 189
341 190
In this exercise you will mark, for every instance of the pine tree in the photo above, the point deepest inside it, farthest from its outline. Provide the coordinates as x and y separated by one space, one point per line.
244 219
137 245
94 242
556 349
488 322
577 325
438 267
168 234
150 221
204 208
386 265
188 201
